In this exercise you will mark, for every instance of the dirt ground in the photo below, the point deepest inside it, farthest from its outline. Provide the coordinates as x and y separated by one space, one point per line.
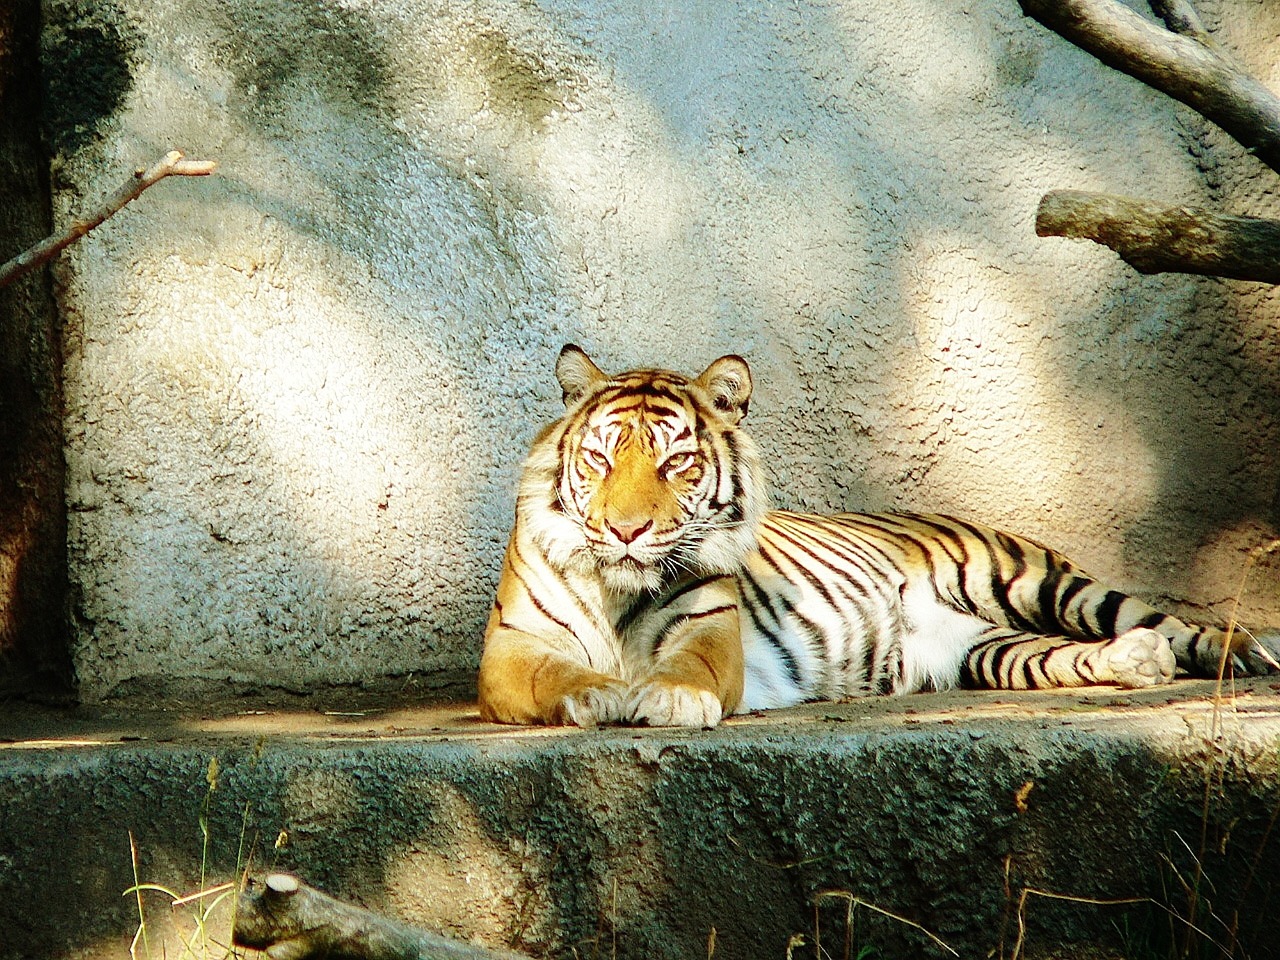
344 714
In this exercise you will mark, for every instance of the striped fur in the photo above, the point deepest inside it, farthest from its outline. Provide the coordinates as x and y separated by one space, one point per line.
647 582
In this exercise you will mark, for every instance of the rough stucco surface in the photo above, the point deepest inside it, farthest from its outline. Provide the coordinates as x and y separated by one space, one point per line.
298 392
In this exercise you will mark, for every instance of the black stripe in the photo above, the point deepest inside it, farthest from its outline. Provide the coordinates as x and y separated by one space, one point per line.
870 654
676 622
999 585
1029 673
1193 647
633 611
1075 585
582 607
846 587
770 636
796 536
731 461
1079 662
1047 599
645 391
662 411
745 579
869 557
1002 586
1107 611
810 630
995 664
974 671
945 536
667 599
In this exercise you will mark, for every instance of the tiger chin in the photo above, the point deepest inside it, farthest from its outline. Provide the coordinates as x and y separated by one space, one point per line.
646 581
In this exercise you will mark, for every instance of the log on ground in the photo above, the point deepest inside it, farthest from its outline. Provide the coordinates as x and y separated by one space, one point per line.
290 920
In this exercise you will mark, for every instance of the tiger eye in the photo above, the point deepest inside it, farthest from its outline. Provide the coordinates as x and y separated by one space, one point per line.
597 460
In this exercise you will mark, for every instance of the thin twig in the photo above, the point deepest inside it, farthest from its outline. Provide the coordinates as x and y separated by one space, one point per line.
201 894
142 916
172 164
1049 895
846 895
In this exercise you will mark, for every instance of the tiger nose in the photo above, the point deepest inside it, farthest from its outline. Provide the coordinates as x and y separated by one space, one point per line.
628 532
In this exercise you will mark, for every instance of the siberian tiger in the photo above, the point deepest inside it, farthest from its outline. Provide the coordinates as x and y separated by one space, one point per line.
646 581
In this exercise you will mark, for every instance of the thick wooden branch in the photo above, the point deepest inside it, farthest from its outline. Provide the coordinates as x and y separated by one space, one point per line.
1182 62
1157 239
292 921
171 164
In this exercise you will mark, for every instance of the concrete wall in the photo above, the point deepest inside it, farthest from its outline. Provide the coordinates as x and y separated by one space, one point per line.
298 393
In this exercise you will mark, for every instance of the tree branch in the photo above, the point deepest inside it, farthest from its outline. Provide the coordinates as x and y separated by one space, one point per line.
1155 239
170 165
1180 17
1182 62
292 921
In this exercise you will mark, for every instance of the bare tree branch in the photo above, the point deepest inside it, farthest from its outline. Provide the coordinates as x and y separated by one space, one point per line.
171 164
1182 62
1156 239
293 921
1180 17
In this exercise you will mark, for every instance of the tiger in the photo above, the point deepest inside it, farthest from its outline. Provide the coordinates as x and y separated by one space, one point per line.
647 581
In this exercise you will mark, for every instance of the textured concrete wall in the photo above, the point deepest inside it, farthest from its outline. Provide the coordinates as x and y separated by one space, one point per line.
298 393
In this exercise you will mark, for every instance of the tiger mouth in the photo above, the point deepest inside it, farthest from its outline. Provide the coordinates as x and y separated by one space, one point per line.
629 563
626 562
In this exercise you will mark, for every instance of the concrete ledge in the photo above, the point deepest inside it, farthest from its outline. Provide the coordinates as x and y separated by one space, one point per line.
638 843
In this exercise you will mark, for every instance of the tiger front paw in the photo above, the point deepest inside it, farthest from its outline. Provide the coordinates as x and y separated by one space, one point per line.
660 703
593 705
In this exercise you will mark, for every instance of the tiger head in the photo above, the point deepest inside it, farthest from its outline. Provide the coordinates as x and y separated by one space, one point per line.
648 474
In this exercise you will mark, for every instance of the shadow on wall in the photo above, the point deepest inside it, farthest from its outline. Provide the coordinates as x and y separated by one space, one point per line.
413 234
33 636
364 522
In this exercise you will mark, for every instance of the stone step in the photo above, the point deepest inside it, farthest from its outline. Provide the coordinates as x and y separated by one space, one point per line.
899 824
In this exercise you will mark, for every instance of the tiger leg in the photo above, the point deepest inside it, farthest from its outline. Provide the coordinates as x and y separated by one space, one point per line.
1007 659
522 680
697 676
1067 601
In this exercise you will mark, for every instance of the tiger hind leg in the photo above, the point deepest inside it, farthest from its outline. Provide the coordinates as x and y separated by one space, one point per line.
1066 600
1007 659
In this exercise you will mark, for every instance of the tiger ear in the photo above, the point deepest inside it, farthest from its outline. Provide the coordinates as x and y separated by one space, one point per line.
576 373
728 381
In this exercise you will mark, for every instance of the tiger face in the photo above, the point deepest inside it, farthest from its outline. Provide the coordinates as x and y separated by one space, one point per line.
653 475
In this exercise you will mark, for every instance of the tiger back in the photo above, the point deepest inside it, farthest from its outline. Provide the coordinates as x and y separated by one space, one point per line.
645 581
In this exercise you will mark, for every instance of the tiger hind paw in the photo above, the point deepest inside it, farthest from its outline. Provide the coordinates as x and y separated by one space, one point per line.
1141 657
